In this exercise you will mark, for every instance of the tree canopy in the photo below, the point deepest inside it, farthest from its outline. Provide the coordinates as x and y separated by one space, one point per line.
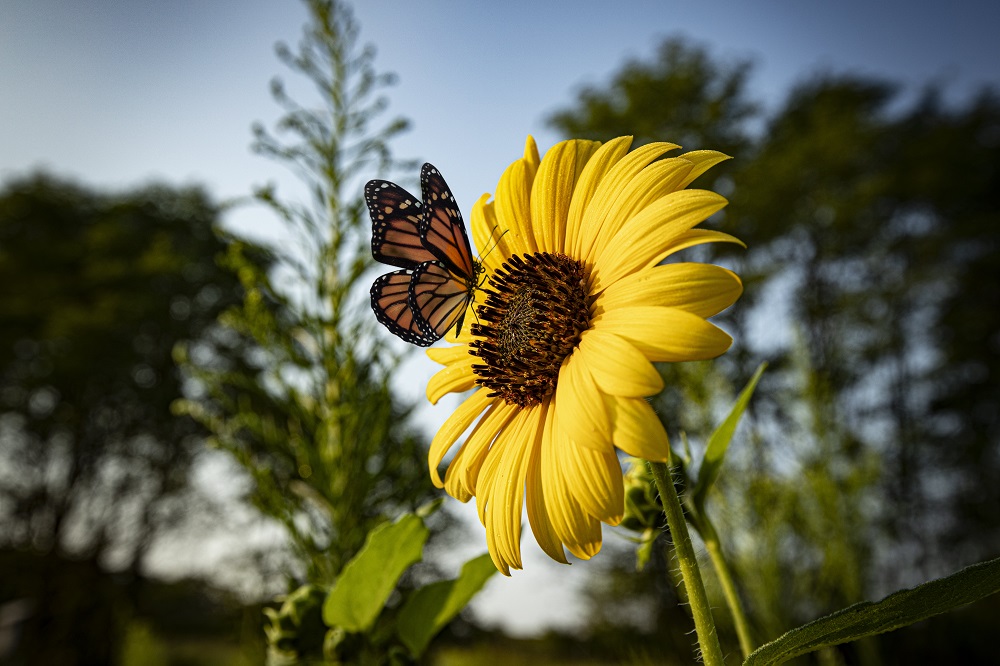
96 290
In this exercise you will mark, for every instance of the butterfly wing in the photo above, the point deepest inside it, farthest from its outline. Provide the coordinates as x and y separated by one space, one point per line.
428 241
396 216
391 302
439 297
441 228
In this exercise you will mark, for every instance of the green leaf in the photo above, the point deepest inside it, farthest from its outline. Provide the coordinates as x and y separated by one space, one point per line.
433 606
718 443
370 577
897 610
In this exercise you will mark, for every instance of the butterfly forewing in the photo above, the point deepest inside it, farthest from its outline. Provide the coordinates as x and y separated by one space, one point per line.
391 302
396 216
438 297
441 227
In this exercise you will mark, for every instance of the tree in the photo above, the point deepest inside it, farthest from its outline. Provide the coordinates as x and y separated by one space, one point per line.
949 168
96 290
684 95
878 240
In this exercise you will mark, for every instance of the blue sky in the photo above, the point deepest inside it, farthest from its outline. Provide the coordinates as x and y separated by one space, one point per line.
115 94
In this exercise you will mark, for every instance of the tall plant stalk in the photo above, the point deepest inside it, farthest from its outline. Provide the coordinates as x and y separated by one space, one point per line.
309 413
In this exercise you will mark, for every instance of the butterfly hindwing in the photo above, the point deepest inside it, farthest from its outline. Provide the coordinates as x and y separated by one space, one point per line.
391 302
442 229
439 297
396 216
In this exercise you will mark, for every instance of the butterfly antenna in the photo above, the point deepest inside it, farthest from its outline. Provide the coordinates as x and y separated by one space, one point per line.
495 243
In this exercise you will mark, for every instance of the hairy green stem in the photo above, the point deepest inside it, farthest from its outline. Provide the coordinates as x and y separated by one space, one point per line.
704 624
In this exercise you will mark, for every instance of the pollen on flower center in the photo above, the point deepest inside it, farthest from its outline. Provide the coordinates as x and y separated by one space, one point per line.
535 310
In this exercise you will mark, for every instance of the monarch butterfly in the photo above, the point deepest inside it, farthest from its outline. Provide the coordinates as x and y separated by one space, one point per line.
428 242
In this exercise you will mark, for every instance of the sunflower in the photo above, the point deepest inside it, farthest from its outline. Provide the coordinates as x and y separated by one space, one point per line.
576 309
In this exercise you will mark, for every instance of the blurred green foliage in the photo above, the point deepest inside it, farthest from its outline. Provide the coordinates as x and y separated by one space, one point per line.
873 221
95 292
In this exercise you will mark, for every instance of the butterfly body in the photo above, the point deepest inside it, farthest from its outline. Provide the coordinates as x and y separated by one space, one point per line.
428 242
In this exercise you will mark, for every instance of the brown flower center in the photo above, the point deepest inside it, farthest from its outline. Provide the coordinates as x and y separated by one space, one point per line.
535 310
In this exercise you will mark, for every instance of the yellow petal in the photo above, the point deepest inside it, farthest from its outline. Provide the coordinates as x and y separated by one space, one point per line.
454 378
582 413
585 151
493 478
491 241
617 178
538 513
482 221
492 467
463 470
580 531
702 289
636 429
552 191
593 173
594 478
618 367
652 183
507 493
664 334
513 207
646 238
701 161
699 236
453 428
448 355
495 241
477 446
453 475
531 158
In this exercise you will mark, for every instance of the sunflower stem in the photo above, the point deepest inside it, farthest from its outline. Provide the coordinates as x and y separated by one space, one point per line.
704 623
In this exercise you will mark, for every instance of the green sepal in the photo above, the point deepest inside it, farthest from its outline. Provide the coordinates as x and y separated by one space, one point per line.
645 550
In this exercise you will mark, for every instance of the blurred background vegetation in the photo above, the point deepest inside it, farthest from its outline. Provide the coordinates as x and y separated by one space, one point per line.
137 338
872 287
